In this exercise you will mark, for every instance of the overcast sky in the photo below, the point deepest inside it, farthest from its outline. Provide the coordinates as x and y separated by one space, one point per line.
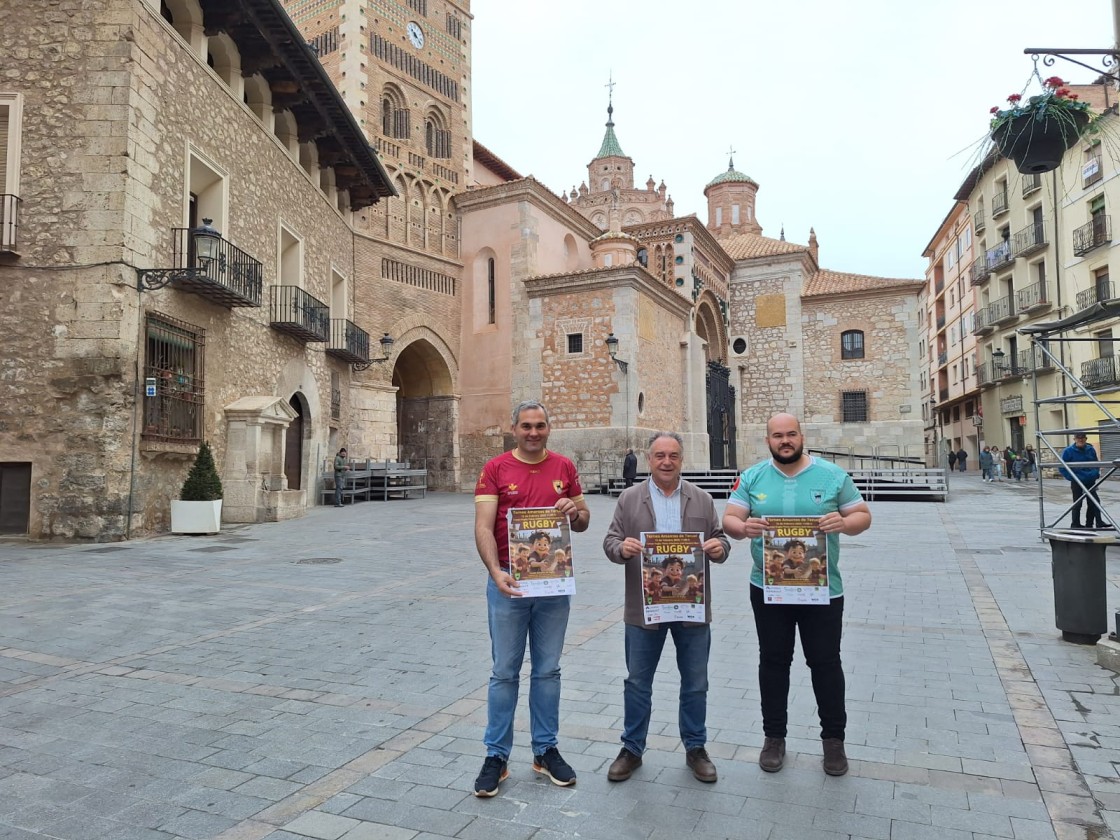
857 118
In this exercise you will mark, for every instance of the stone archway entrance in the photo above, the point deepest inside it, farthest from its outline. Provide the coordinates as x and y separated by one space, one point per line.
427 414
719 393
293 445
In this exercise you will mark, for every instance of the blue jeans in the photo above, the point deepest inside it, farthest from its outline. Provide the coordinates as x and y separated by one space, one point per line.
543 622
643 652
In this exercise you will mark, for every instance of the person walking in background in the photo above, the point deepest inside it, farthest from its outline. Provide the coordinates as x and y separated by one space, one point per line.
341 465
529 476
1029 461
1081 451
962 459
985 464
997 464
630 468
1016 464
669 504
1008 462
793 483
952 459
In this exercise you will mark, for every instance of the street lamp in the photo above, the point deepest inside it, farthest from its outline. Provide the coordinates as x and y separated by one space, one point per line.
612 347
386 351
206 247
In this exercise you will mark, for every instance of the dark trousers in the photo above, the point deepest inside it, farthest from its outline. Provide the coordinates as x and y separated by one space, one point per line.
819 627
1092 510
629 481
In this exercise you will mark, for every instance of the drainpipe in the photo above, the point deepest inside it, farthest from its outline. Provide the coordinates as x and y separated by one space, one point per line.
1058 281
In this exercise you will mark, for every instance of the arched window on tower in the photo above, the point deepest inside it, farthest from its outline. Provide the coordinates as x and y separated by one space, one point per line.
851 344
491 292
387 117
437 139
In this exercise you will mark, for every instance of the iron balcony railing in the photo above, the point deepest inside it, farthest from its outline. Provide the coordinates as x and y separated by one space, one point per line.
985 374
294 311
1000 255
1032 297
999 202
232 279
1030 239
979 271
1032 359
981 322
9 221
349 342
940 321
1000 310
942 359
978 221
1102 291
1092 235
1031 183
1099 373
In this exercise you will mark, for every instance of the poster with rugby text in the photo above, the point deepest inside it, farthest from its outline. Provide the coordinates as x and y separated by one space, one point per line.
540 552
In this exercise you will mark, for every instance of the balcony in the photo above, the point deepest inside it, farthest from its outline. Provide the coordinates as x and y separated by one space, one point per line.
940 322
1002 310
942 359
295 312
1032 359
1031 184
979 272
999 203
232 278
1092 235
1101 292
1000 256
983 324
1033 298
986 374
9 222
348 342
1030 239
978 221
1100 373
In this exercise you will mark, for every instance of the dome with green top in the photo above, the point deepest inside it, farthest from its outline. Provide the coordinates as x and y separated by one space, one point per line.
611 146
732 175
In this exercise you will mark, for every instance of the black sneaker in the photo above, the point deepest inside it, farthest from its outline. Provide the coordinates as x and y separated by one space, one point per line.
553 765
494 772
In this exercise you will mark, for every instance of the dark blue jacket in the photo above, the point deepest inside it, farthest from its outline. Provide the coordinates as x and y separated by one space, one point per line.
1088 475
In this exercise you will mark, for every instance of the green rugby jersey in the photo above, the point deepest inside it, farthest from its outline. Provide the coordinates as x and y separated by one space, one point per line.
820 488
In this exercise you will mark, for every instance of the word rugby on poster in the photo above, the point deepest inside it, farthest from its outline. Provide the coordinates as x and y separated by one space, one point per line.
794 561
672 576
540 552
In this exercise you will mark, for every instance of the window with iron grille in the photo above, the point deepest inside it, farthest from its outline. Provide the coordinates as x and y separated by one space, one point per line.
174 358
851 344
853 406
575 343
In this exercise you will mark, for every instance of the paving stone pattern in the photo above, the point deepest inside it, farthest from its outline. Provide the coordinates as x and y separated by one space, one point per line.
216 687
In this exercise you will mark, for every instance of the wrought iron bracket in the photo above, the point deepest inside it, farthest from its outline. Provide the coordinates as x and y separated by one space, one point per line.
622 366
366 365
151 279
1109 59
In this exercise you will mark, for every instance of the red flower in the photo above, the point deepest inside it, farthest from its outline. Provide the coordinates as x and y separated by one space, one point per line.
1074 96
1015 97
1054 82
1062 92
995 109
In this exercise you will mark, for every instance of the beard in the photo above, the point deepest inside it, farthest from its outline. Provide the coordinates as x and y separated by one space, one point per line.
788 459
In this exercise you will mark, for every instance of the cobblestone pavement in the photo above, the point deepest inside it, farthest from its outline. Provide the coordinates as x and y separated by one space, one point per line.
325 678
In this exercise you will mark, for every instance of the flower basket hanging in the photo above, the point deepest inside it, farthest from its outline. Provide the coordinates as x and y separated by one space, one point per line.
1036 134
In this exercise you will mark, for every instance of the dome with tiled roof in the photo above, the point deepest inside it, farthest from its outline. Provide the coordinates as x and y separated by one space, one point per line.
732 175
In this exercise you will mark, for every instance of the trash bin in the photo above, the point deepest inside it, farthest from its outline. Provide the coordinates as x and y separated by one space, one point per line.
1080 603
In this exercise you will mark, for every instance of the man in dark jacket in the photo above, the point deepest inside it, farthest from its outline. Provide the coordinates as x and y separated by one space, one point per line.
1085 491
630 467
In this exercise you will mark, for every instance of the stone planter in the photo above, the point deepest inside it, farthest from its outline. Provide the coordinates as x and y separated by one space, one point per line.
1037 146
196 517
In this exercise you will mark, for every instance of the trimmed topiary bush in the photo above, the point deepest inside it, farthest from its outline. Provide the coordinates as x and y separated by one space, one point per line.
203 483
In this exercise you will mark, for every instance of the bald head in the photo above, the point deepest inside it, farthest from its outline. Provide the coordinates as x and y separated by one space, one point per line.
782 421
783 436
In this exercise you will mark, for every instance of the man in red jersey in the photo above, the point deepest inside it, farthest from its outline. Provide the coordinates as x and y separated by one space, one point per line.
528 476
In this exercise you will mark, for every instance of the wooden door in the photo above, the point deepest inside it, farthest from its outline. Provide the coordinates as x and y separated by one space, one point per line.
293 450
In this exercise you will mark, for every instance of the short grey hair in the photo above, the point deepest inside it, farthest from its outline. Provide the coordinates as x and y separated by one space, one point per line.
528 405
658 435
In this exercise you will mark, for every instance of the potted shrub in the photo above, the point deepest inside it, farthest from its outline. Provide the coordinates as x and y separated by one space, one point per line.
199 507
1036 133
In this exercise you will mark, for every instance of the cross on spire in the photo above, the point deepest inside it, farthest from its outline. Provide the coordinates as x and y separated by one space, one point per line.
730 158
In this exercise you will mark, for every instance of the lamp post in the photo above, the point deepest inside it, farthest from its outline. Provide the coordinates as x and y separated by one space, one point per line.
386 351
206 248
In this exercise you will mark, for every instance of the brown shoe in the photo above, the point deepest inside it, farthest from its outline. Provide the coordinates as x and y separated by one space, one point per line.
702 767
624 765
773 754
835 762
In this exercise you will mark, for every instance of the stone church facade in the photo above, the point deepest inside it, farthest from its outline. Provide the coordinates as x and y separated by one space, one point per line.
274 218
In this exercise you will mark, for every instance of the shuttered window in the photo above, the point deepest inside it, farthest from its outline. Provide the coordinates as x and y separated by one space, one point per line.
3 149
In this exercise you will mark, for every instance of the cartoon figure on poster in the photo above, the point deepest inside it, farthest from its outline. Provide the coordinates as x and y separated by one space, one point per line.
673 577
540 551
795 562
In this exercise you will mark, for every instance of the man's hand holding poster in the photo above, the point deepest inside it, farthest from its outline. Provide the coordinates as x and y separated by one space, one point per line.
794 561
672 577
540 552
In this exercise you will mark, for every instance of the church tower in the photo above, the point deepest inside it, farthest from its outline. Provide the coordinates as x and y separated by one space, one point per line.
611 169
731 199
